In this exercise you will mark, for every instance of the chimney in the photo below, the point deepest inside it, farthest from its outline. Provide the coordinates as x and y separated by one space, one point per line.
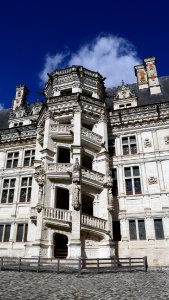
153 81
142 79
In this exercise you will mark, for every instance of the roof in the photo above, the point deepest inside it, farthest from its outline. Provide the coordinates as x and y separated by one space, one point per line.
4 117
144 96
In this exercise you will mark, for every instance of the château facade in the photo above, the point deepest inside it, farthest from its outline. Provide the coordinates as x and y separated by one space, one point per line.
86 172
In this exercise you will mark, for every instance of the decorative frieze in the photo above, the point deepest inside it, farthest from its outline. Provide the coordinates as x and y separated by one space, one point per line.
91 135
92 175
61 128
20 133
152 180
59 167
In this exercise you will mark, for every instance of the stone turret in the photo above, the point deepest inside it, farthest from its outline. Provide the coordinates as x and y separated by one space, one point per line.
75 79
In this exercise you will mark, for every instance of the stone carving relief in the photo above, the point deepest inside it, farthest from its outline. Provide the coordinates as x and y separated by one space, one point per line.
76 171
152 180
40 177
142 76
76 196
124 92
147 143
166 140
110 200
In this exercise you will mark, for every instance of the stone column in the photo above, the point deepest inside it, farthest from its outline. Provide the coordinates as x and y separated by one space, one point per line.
74 245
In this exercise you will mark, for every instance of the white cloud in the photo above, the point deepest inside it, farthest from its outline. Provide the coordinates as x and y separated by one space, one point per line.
114 57
1 106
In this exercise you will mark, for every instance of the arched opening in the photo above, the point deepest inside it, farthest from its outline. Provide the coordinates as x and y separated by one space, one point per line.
87 205
60 245
87 161
62 198
63 155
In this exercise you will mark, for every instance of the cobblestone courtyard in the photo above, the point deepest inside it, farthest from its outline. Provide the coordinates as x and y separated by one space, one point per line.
123 286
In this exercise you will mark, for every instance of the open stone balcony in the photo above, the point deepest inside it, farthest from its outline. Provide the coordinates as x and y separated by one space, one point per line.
63 217
61 131
91 137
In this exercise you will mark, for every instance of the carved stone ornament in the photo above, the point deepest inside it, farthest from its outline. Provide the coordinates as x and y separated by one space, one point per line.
76 171
152 180
108 178
124 92
166 140
39 207
40 175
147 143
76 196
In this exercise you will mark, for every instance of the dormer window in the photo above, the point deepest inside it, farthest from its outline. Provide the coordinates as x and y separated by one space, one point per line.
127 105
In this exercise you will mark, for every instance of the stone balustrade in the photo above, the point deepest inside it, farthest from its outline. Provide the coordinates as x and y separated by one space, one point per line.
93 175
61 128
57 214
59 167
94 222
91 135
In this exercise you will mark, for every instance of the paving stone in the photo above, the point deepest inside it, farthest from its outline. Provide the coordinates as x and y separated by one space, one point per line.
122 286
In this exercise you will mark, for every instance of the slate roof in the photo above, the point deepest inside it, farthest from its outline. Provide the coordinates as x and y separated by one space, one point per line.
144 96
4 116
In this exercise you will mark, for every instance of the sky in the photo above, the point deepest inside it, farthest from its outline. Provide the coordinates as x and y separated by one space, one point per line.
108 36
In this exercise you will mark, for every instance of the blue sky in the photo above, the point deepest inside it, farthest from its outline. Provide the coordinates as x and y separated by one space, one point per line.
111 36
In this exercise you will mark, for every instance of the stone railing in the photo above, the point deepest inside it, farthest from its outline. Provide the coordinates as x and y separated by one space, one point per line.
61 128
93 175
91 135
18 133
57 214
59 167
94 222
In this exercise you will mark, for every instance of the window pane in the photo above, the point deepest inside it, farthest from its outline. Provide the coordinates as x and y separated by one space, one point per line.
128 105
7 233
129 190
132 230
10 155
132 139
19 233
127 172
32 160
27 153
26 161
4 196
29 195
1 232
6 183
125 140
141 228
11 195
125 150
16 154
30 181
12 183
24 181
33 152
133 149
136 171
26 232
23 195
15 163
137 185
158 229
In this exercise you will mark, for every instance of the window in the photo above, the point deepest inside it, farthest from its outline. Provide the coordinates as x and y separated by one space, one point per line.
141 230
22 230
137 230
129 145
115 186
116 231
132 180
122 106
8 191
26 186
29 157
112 148
158 225
12 160
132 230
5 232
